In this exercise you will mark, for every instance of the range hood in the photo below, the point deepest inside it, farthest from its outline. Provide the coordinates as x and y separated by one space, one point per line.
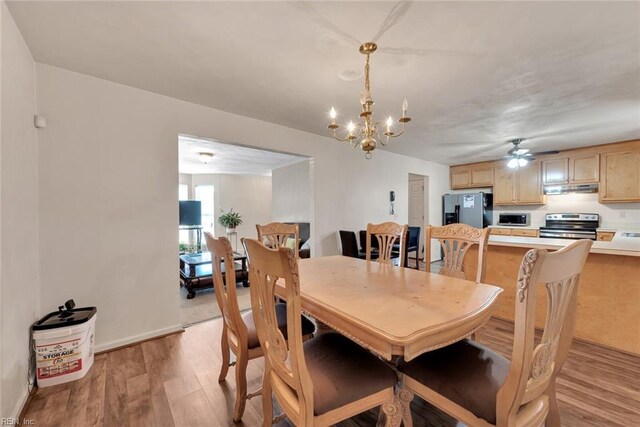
570 188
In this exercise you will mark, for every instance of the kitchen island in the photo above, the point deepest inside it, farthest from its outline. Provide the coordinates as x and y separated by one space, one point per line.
608 311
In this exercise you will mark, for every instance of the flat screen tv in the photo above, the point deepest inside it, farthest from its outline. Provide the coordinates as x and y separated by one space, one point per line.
190 212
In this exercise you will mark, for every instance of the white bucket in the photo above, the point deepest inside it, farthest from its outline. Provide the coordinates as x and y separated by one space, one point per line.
64 354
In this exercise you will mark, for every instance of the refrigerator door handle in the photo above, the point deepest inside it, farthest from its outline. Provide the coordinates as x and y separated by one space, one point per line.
457 213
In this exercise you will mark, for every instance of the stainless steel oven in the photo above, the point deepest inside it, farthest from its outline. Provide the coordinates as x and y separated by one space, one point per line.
570 226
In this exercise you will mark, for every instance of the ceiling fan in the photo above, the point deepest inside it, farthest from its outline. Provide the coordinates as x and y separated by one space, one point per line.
519 157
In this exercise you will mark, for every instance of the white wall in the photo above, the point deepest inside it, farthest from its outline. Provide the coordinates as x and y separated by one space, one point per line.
291 196
249 195
19 275
120 220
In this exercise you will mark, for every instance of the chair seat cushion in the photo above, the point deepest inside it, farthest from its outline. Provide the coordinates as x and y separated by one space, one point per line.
281 315
342 372
466 373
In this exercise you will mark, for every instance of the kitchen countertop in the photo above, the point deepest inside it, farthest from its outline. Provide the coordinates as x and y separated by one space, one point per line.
626 246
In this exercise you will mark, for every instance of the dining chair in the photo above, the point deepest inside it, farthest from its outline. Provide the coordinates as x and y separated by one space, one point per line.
239 333
329 378
455 240
276 234
413 245
387 235
349 244
479 387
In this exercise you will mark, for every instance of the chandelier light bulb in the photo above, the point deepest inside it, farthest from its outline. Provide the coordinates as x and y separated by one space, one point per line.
350 127
389 123
405 107
333 113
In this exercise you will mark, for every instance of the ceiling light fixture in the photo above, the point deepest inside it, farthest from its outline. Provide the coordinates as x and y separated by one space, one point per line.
518 157
205 157
368 130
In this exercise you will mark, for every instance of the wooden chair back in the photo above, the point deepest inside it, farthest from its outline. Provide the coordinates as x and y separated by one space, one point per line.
455 240
534 368
225 288
387 234
276 234
287 369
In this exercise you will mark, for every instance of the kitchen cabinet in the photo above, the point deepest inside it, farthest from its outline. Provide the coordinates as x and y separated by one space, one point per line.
522 186
471 176
620 177
605 236
555 171
575 169
584 169
520 232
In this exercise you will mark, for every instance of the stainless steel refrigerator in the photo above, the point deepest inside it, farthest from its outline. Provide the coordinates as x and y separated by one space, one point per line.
474 209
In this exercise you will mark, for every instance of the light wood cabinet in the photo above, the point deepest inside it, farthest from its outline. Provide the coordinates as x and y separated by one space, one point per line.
605 236
504 186
584 169
471 176
500 231
620 177
524 232
521 186
555 171
576 169
520 232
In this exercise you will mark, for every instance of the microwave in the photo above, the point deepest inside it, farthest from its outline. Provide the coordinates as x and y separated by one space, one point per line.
516 219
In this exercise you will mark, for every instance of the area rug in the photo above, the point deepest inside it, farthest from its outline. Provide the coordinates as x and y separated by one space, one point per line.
205 306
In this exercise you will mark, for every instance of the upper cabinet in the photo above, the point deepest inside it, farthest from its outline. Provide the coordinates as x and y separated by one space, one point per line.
555 171
584 169
575 169
471 176
616 167
620 177
521 186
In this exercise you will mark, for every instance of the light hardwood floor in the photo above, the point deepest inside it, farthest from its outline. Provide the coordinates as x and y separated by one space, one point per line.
174 381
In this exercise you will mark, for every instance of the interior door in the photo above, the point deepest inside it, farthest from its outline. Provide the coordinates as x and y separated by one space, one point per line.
416 206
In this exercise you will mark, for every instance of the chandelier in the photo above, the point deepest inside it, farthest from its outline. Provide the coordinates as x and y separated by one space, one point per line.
368 131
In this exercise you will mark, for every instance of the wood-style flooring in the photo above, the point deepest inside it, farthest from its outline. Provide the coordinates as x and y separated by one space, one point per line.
173 381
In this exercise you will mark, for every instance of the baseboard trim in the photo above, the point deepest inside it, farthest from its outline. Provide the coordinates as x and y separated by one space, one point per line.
136 339
21 405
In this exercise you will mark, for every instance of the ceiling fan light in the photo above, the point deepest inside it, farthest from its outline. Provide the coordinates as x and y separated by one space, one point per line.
522 162
513 163
205 157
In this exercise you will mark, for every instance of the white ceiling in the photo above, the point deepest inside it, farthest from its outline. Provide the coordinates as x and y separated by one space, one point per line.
228 158
560 74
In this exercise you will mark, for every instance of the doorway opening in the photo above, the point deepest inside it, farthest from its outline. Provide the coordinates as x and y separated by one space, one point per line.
259 185
419 209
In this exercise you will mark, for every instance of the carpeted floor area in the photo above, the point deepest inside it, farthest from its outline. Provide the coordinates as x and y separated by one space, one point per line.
205 306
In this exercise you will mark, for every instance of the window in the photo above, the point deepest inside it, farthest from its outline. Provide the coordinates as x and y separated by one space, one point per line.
204 193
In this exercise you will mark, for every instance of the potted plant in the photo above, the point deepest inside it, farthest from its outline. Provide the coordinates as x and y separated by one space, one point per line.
230 220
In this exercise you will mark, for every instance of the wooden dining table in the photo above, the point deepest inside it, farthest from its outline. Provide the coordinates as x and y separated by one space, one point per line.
392 311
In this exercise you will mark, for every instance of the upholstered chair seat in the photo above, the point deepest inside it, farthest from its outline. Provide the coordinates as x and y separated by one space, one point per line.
341 372
466 373
308 327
